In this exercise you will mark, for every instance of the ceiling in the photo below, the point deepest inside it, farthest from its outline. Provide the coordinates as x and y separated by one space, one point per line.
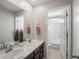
47 3
40 2
9 6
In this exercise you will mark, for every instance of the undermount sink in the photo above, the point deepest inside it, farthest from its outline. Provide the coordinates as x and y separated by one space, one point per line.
13 54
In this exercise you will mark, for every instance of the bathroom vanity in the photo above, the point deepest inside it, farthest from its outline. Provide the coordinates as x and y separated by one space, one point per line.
26 50
38 53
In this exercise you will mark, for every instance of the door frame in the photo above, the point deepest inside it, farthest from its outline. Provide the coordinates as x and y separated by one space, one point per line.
68 9
68 14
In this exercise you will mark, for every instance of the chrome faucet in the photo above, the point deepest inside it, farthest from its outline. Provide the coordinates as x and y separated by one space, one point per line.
2 45
9 48
6 46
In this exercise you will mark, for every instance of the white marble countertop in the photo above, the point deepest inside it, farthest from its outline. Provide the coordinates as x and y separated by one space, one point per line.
22 50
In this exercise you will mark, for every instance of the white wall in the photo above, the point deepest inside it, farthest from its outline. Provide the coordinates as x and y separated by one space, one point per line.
6 25
29 20
40 16
76 27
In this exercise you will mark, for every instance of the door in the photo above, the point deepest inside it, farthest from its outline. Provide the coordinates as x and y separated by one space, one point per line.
64 38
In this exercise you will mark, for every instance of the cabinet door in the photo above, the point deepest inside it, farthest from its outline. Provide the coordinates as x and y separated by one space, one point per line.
37 56
36 51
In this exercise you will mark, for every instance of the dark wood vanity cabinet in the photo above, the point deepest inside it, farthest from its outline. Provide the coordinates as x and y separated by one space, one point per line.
38 53
41 56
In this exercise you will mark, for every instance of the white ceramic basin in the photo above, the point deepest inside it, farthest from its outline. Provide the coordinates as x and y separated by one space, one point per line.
12 54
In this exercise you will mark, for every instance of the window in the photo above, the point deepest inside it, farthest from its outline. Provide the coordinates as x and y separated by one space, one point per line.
19 23
55 20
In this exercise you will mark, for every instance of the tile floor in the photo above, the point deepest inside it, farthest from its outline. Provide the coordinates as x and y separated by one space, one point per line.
54 53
